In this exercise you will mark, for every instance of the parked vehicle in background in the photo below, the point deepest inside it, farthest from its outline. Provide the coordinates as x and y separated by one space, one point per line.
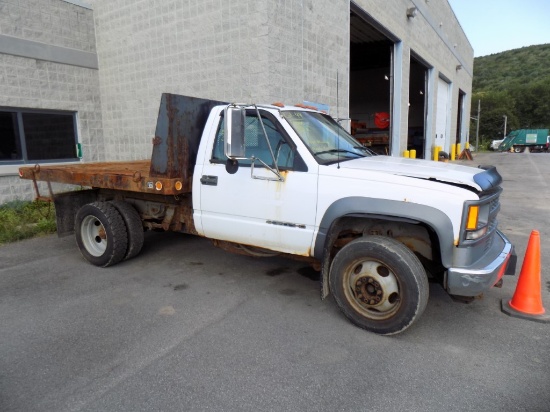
518 140
495 144
268 180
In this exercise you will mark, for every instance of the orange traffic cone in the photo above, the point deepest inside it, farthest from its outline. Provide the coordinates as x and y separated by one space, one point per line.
527 301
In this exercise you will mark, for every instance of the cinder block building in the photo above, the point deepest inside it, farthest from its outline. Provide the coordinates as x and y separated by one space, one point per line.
82 80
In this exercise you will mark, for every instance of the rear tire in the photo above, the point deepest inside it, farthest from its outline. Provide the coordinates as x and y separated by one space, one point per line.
101 234
134 228
379 284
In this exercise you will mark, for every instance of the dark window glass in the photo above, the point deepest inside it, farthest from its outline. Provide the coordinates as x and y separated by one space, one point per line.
49 136
10 148
36 136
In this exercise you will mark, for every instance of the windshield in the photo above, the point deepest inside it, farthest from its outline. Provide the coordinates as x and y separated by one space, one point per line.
325 139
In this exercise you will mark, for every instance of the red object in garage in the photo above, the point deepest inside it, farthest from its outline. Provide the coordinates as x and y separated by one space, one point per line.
382 120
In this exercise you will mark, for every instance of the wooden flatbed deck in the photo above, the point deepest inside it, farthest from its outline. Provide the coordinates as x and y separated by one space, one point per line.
133 176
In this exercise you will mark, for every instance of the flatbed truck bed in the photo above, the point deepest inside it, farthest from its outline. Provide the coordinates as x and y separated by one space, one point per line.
132 176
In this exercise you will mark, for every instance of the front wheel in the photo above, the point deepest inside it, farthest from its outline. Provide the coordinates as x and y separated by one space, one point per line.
379 284
101 234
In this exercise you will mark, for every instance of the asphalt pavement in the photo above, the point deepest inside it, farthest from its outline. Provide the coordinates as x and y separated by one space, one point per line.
188 327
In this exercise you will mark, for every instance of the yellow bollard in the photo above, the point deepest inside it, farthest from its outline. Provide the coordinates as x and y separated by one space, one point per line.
406 154
412 153
458 148
453 152
467 146
436 153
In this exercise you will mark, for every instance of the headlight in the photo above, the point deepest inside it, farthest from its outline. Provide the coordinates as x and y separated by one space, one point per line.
476 234
477 220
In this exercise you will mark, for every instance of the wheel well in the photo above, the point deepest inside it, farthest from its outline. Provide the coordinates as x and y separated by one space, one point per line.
421 239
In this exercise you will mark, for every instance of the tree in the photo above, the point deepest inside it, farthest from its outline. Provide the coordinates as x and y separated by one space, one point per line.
516 84
533 104
494 106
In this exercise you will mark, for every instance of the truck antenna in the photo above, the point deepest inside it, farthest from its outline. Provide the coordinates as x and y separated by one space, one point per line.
337 117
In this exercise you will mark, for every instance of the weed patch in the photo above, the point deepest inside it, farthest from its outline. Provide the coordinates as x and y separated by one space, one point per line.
22 220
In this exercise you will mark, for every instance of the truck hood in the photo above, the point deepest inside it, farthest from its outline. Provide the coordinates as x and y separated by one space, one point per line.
481 178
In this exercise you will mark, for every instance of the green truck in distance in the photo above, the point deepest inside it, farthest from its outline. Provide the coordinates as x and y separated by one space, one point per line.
537 140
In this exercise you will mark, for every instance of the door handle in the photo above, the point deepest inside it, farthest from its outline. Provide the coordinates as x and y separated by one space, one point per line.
209 180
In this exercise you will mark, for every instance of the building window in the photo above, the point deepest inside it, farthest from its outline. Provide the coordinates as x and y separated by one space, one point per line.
34 135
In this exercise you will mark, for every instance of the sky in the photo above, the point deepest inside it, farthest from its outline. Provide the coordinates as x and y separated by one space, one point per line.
493 26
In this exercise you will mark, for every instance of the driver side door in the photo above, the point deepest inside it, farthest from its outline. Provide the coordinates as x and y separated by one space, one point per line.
244 208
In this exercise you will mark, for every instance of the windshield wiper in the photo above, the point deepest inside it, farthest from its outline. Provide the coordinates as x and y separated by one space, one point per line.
365 149
339 151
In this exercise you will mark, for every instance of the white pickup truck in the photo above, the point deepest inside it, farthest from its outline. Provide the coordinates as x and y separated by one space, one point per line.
273 179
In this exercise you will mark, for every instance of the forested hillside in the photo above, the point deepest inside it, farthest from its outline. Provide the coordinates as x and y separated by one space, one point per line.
516 84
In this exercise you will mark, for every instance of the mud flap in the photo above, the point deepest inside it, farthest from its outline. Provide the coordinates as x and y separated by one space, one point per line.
66 206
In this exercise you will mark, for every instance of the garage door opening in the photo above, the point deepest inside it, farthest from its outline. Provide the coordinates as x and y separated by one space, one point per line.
418 80
370 98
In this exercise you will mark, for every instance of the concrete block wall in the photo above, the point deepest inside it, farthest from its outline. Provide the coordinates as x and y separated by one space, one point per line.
48 21
212 49
308 44
27 82
245 51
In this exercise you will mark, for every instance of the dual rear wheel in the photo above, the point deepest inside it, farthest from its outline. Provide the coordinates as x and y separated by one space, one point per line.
108 232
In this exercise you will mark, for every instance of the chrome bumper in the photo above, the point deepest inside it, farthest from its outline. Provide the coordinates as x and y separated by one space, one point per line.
472 281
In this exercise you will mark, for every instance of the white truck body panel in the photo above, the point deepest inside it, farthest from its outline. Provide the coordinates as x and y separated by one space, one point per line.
358 178
278 215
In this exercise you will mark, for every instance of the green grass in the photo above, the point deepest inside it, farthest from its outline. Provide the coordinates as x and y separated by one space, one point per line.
22 220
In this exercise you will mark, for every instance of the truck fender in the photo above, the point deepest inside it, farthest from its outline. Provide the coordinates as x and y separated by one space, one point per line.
393 210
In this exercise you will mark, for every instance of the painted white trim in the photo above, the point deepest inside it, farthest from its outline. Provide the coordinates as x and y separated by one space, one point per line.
449 133
429 132
463 131
397 76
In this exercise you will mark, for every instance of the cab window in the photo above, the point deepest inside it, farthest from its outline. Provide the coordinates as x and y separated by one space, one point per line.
256 145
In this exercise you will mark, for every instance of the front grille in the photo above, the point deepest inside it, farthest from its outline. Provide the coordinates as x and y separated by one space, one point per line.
491 233
495 205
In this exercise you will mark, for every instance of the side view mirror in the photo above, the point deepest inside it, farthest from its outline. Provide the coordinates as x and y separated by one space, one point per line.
234 132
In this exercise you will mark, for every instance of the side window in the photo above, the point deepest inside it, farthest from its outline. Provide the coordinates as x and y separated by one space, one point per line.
33 135
256 144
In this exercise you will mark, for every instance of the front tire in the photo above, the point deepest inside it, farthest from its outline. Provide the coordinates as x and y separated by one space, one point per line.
101 234
379 284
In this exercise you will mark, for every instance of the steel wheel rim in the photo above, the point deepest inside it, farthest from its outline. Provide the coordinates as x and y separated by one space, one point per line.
94 236
372 289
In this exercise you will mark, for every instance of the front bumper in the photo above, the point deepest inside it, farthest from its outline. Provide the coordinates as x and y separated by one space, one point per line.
472 281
